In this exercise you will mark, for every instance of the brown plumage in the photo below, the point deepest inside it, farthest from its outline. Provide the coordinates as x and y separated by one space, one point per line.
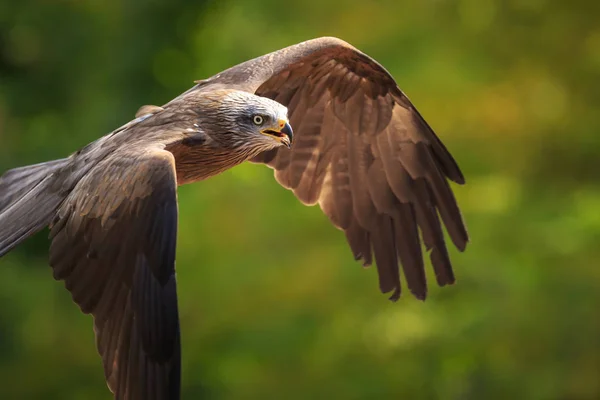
361 151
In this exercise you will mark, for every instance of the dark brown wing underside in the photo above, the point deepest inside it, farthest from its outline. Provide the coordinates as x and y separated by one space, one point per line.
364 153
113 243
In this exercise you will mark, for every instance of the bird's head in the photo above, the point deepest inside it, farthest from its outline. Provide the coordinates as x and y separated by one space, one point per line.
245 120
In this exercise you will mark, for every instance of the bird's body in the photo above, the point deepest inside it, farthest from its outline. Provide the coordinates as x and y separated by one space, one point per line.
362 152
185 127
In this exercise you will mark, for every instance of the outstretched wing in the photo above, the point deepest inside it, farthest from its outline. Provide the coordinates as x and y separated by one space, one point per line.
113 243
364 153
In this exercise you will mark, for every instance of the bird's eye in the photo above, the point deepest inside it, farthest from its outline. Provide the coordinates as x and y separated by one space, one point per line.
258 119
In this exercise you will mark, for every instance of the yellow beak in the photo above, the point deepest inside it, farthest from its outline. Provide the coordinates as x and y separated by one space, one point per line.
283 134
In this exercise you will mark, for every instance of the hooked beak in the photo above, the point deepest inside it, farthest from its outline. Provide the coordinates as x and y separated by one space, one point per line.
283 135
289 134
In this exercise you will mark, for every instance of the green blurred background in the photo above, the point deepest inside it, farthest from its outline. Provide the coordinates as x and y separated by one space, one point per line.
272 304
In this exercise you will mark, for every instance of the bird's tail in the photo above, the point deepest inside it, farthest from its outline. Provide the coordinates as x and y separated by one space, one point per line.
28 201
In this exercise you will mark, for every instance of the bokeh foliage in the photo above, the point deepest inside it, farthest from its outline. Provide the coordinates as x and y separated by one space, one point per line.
272 304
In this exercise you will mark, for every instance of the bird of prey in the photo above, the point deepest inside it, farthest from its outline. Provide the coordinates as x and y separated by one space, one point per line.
360 150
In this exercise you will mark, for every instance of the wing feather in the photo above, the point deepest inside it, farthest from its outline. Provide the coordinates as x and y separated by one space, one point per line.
364 154
360 243
409 250
383 198
433 237
113 243
342 190
359 160
384 248
308 146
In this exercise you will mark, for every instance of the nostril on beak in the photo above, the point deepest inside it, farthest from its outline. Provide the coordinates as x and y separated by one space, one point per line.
287 130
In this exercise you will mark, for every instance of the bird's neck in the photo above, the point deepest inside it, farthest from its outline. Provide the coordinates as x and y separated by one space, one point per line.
199 161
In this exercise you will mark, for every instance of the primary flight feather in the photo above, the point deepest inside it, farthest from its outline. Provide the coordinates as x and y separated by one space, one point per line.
360 150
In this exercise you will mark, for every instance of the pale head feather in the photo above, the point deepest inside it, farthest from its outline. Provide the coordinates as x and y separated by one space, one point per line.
228 118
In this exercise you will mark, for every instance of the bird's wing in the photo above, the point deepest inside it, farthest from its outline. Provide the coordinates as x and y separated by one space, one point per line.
113 243
364 153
